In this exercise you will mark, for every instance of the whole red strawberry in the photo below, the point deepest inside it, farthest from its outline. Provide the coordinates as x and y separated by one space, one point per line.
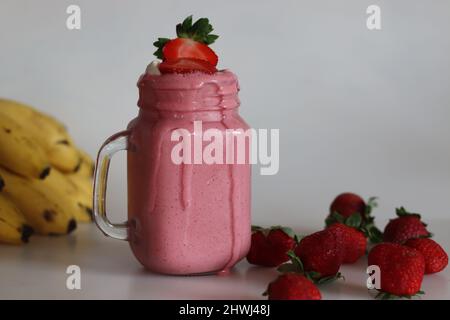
402 268
321 253
269 247
347 204
350 209
406 226
292 286
436 259
354 243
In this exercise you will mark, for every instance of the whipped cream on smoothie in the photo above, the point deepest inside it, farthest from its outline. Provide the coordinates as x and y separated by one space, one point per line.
153 68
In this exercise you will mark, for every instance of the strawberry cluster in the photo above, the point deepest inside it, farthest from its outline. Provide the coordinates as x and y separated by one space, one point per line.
190 51
406 255
404 252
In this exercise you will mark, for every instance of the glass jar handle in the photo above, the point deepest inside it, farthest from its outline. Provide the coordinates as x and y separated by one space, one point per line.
113 144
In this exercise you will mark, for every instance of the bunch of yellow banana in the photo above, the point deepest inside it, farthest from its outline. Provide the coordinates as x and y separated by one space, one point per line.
45 180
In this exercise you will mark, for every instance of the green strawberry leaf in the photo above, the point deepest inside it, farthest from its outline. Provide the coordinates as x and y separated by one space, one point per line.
295 260
376 236
294 265
382 295
199 31
210 38
160 45
186 25
256 228
264 231
298 238
354 220
329 221
334 217
402 212
371 204
368 225
313 276
286 230
373 233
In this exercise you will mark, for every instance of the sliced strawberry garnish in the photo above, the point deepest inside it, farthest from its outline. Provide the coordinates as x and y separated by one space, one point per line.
193 39
185 65
187 48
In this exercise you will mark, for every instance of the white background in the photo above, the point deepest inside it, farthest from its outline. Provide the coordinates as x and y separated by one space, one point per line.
358 110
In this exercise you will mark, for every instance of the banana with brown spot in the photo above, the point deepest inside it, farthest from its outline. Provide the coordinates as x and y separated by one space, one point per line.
13 226
47 131
19 152
45 212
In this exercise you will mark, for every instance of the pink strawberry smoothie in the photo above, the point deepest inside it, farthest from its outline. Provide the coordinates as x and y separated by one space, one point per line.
186 218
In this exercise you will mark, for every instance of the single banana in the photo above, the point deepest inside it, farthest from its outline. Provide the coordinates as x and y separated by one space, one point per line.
19 152
47 131
46 212
64 157
13 227
60 184
87 165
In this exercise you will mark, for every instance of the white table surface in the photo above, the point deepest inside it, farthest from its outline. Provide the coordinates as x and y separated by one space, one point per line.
109 271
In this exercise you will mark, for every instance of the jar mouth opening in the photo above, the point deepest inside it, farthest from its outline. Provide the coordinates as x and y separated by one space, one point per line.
189 92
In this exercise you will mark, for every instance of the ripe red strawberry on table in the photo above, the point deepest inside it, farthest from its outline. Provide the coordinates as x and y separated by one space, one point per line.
347 206
354 243
436 259
269 247
402 269
406 226
318 256
190 51
292 286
